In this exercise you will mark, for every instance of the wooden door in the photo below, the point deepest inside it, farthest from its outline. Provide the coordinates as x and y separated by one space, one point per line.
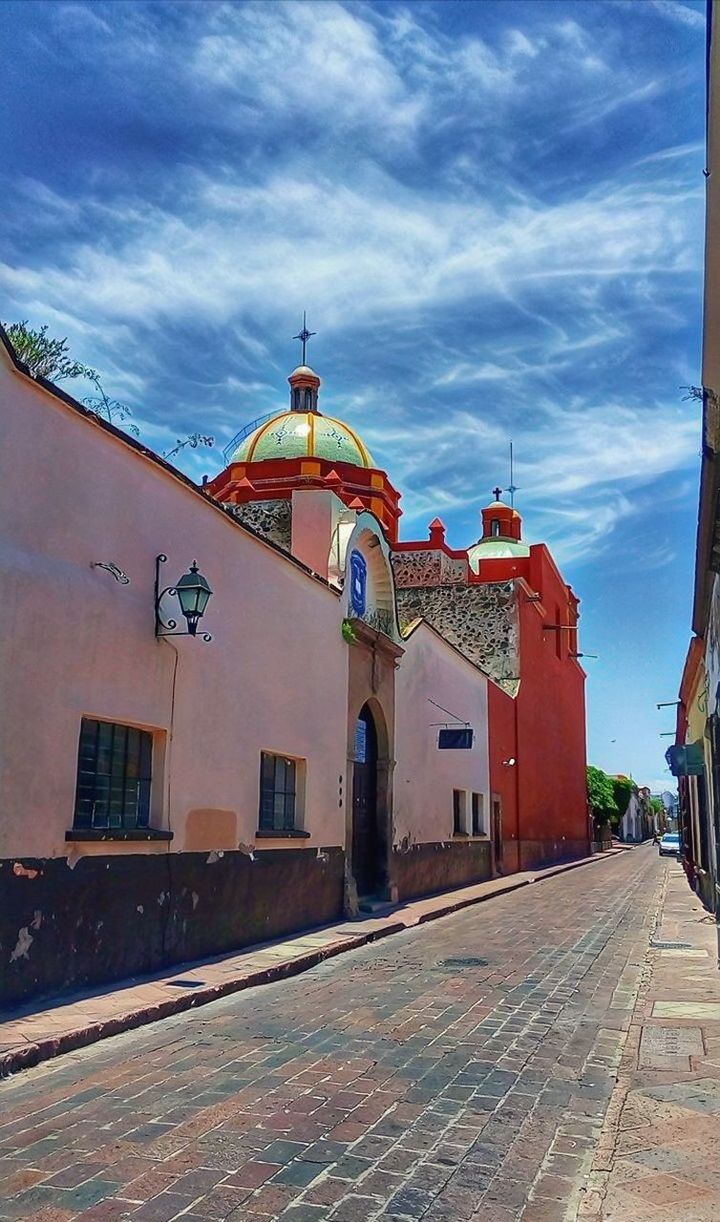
365 832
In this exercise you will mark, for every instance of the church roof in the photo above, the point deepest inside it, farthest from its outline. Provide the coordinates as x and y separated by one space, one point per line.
295 434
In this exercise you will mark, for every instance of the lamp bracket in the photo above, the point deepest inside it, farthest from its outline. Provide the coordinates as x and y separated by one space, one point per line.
166 627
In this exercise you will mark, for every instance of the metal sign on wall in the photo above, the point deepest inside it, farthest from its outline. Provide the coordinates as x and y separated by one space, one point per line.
456 740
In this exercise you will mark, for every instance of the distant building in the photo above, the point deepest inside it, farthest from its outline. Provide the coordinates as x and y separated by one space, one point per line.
638 821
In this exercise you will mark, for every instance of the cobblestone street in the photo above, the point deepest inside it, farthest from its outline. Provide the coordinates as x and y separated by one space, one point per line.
459 1070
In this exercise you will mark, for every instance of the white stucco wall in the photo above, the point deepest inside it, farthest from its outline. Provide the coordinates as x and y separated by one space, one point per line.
75 642
425 776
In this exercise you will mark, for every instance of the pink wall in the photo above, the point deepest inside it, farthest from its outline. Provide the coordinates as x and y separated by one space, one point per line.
75 642
425 776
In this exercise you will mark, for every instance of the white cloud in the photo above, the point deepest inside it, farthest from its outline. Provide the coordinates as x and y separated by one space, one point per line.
314 60
680 13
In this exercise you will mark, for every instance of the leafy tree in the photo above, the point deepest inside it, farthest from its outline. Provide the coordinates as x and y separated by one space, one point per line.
601 797
622 792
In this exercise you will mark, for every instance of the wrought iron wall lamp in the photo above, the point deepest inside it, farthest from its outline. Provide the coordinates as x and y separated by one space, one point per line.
192 592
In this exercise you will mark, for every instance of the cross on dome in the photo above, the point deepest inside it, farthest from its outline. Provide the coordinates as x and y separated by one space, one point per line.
497 493
304 335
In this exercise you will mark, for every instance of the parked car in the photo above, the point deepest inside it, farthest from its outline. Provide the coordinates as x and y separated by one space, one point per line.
669 845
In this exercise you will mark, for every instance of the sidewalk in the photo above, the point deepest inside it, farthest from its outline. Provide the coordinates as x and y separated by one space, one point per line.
657 1157
29 1035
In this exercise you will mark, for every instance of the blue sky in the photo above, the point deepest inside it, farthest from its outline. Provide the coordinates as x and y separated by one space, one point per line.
492 213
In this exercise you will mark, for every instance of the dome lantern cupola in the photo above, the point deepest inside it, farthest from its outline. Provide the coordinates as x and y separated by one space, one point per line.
502 534
500 521
304 387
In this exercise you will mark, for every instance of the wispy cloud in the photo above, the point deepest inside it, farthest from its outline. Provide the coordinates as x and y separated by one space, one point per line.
694 18
492 212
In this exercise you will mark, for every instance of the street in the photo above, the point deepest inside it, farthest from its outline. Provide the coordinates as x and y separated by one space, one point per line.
458 1070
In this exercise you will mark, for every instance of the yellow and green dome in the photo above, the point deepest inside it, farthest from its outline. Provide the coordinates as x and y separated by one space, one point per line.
298 434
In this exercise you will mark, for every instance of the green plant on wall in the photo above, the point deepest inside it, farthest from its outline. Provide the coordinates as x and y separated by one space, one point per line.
348 632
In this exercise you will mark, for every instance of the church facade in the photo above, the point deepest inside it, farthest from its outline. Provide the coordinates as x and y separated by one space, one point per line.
371 720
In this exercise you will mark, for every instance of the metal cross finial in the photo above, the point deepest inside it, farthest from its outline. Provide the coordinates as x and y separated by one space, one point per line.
497 493
304 336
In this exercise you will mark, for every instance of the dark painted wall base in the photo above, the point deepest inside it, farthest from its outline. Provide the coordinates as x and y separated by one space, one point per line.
109 917
537 853
424 868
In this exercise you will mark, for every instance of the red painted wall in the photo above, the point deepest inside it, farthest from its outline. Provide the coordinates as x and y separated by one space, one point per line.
547 739
503 778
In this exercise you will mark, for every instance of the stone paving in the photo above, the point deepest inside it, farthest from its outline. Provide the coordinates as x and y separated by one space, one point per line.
35 1032
460 1070
656 1160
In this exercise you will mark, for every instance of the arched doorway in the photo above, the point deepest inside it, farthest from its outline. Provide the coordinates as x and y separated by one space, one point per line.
366 846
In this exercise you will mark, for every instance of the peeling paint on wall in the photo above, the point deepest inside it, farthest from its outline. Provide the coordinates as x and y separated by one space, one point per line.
22 946
22 871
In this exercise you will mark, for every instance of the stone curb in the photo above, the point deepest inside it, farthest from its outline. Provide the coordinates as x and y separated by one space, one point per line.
41 1050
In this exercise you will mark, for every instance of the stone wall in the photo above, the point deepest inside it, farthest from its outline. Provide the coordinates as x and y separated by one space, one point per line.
271 519
428 568
479 620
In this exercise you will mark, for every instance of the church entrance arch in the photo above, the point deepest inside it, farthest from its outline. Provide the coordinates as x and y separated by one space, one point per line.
366 840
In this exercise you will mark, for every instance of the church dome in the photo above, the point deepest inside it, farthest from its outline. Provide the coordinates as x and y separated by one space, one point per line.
495 549
501 537
299 434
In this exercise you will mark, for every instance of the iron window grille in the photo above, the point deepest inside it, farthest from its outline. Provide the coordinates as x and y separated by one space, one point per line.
114 776
278 793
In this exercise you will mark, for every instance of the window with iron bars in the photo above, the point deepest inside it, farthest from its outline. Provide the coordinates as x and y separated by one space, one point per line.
278 793
114 776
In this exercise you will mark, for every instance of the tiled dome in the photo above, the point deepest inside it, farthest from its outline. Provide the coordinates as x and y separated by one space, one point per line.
297 434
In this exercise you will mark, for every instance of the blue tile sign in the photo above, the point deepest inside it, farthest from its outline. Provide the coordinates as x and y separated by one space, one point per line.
358 583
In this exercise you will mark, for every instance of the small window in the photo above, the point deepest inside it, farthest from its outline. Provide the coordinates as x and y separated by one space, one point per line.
495 527
459 827
114 776
278 793
478 815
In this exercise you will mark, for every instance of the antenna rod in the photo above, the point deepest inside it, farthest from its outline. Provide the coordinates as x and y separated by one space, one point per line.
512 489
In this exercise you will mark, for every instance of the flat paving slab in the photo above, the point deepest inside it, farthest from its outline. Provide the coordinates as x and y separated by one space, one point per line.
457 1071
687 1009
656 1160
668 1047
